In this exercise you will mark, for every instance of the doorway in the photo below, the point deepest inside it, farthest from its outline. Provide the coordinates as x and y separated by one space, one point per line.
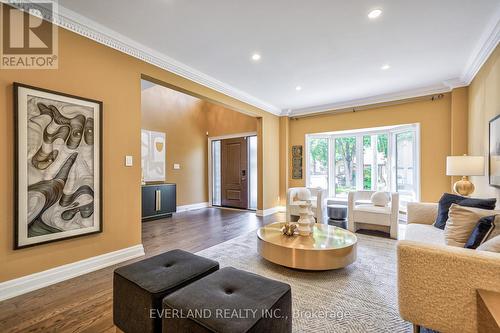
233 171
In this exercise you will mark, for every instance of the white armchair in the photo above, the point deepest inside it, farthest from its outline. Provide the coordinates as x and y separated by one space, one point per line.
362 214
318 203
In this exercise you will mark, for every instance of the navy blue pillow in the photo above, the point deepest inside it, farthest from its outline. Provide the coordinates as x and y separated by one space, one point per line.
448 199
481 230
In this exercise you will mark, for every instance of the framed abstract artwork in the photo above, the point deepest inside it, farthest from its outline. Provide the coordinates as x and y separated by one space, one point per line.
494 151
153 156
297 162
58 166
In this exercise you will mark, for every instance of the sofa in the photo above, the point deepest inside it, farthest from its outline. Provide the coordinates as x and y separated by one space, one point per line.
363 214
437 284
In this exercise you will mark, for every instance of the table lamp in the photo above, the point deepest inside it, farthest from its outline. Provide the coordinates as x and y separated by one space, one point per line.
464 166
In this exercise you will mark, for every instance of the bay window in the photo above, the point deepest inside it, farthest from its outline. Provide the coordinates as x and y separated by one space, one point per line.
378 159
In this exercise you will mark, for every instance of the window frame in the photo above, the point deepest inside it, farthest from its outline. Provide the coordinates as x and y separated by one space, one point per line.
391 133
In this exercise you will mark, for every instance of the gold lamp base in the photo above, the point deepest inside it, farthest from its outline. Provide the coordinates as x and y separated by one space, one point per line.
464 187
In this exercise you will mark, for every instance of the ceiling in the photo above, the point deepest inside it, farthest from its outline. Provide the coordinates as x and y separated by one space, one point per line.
330 48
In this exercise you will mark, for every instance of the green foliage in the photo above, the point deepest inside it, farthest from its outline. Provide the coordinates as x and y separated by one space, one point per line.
367 178
319 152
382 145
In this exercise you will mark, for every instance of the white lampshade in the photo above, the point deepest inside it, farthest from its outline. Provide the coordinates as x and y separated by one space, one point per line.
465 165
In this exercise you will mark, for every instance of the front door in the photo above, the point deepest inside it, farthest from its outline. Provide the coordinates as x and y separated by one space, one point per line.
234 178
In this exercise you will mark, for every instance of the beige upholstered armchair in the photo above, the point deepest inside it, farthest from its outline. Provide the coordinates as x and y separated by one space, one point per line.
438 284
362 214
318 203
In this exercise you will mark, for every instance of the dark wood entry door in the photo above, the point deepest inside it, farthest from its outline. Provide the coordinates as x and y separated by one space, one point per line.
234 173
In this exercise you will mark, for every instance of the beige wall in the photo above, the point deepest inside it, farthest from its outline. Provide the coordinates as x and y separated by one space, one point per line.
484 104
435 131
186 120
459 123
271 151
91 70
222 121
183 120
284 157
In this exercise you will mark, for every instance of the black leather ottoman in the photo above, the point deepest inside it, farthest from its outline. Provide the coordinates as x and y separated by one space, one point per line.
139 288
229 300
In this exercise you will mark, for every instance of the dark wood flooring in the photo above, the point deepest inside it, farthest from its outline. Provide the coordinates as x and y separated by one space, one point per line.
84 304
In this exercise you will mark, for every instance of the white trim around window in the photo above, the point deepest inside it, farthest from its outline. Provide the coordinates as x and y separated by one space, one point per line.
391 132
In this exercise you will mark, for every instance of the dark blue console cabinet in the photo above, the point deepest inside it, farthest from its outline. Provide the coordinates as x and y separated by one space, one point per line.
158 201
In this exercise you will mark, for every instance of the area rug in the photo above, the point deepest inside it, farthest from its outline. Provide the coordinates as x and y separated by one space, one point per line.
359 298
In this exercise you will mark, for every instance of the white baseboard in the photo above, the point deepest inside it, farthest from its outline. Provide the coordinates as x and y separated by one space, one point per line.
186 208
270 211
22 285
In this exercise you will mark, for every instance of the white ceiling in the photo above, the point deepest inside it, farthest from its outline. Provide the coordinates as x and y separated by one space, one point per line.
328 47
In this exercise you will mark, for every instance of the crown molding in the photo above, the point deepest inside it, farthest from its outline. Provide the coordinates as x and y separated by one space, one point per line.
372 100
485 46
83 26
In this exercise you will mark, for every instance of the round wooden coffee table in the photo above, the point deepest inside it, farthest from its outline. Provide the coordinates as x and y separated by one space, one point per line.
328 247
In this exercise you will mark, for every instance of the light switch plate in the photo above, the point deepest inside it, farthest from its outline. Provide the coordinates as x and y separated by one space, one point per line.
129 161
177 166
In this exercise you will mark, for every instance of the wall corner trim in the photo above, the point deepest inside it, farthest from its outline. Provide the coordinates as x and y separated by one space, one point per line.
186 208
270 211
24 284
484 48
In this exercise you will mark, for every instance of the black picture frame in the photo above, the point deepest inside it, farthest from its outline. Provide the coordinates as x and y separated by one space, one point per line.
494 124
17 87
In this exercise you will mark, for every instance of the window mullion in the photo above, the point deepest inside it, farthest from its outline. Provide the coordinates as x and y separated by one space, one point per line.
359 162
374 173
331 166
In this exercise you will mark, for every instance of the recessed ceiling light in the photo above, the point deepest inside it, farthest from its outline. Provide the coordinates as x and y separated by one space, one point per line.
255 57
298 88
385 67
374 13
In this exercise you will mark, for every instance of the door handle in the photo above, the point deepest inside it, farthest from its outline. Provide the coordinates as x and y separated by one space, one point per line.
158 200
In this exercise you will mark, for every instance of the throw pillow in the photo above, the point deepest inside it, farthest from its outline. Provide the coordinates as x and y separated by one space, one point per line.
461 222
491 245
379 199
448 199
481 231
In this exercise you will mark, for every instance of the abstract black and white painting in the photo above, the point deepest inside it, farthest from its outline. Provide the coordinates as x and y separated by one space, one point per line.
494 151
58 165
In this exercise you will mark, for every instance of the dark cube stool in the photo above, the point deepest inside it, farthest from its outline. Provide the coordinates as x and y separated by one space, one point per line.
229 300
138 288
337 215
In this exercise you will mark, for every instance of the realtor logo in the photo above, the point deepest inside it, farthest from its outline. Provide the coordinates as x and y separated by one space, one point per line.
27 40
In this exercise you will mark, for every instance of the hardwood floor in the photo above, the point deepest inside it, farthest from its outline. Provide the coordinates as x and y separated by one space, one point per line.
84 304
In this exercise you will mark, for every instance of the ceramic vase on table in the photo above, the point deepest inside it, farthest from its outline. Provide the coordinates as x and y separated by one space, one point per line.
304 220
311 216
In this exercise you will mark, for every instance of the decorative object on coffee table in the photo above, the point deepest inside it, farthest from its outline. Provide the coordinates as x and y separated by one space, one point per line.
58 166
305 217
289 229
326 248
494 151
